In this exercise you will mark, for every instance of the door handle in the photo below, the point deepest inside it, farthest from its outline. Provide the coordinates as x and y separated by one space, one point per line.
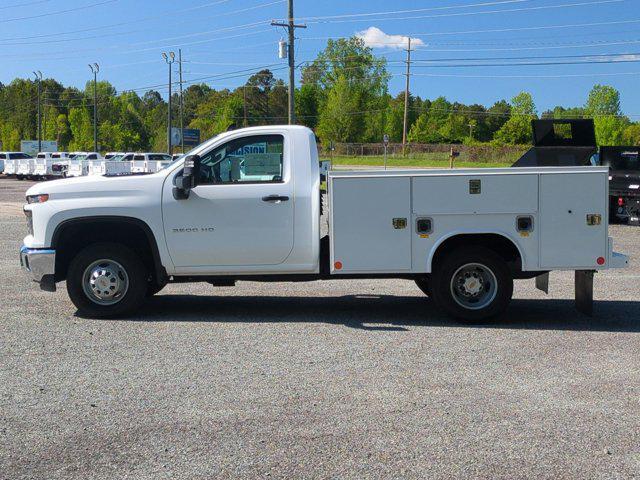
275 198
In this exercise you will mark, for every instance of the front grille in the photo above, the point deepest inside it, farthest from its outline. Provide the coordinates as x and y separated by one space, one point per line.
29 216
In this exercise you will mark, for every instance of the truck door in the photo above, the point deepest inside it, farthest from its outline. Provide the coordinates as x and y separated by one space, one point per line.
242 212
568 239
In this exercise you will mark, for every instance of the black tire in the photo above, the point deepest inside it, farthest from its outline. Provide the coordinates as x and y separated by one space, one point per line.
489 265
136 274
424 284
19 177
153 288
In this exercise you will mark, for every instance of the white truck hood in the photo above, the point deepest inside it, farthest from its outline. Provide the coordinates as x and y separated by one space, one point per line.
96 186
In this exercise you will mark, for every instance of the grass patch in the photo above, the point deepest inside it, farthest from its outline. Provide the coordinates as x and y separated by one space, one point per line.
428 160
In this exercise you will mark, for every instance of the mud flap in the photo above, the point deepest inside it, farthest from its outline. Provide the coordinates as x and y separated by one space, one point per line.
542 282
584 291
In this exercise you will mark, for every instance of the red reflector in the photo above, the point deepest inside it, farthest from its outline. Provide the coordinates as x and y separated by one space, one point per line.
601 260
620 202
338 265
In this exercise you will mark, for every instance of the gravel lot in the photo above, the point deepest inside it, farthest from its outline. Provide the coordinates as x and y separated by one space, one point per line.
348 379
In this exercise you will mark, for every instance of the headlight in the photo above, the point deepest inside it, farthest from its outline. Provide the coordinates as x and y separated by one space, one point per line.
37 198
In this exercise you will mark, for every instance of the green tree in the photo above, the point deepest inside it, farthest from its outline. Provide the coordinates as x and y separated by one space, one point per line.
603 105
338 122
307 105
603 100
517 130
631 135
81 128
348 65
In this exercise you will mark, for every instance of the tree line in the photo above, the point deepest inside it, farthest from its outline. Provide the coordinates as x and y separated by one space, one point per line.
343 96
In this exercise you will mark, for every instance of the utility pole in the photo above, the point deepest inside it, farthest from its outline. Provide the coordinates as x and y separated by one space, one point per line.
406 99
38 75
169 59
181 103
291 26
245 123
95 68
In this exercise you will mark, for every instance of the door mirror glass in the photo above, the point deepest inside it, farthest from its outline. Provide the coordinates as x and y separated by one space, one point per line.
189 179
191 171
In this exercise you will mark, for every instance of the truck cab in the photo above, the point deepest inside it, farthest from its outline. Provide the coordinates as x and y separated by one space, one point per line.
624 182
245 205
10 161
60 166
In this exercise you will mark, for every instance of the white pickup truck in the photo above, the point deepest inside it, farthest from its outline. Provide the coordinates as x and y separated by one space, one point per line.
246 205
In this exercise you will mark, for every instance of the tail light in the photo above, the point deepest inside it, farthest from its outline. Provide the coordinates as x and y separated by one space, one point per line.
621 202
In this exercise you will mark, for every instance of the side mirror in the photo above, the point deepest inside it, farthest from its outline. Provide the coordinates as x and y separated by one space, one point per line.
189 179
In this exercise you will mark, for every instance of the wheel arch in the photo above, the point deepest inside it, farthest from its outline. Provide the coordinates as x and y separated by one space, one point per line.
73 234
500 243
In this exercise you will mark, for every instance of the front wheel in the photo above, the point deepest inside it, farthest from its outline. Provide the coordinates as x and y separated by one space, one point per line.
472 284
424 284
106 280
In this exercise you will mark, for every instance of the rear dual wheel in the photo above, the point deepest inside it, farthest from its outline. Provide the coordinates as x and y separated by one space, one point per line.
472 284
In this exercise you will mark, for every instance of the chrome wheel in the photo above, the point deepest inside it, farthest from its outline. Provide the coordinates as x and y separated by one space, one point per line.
105 282
474 286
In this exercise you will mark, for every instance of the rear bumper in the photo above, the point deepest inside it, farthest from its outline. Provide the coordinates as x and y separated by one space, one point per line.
40 265
618 260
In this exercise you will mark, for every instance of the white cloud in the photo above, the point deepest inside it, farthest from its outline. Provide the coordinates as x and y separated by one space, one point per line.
375 38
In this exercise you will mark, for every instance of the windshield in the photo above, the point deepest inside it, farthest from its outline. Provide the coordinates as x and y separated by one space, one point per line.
80 157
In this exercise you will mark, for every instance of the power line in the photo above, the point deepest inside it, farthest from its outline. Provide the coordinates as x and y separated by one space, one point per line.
467 14
543 57
523 29
5 7
59 12
547 47
415 10
569 75
63 40
136 21
176 45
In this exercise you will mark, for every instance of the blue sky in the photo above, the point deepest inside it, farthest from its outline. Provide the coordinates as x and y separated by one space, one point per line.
126 37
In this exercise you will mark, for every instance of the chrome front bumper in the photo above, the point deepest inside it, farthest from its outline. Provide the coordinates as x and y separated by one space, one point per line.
40 265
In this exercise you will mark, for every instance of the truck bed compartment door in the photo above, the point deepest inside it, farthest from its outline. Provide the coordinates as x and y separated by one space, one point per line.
568 202
371 225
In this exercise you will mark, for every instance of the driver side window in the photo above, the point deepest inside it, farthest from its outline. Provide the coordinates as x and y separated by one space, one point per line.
254 159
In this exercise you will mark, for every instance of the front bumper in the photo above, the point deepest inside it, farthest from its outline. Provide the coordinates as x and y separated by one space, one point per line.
40 265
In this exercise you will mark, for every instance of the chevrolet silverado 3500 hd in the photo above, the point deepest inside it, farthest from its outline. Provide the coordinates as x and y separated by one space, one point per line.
246 205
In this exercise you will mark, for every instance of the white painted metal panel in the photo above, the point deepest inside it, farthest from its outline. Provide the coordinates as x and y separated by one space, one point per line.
139 166
10 167
565 201
26 166
96 167
515 193
78 168
363 235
